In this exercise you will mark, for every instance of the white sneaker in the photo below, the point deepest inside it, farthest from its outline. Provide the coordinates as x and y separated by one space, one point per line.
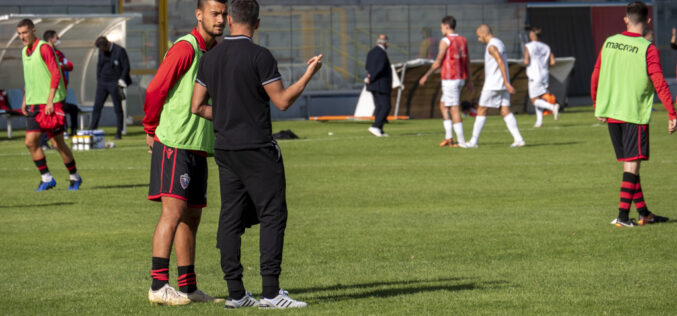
471 145
462 145
520 143
247 301
200 297
167 295
555 111
537 125
281 301
375 131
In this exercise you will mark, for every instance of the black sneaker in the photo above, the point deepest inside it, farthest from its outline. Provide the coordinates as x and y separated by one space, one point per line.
651 219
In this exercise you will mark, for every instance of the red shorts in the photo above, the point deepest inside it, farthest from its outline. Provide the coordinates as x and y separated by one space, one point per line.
52 125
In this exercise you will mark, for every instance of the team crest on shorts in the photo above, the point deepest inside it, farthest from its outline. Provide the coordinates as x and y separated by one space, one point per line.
185 180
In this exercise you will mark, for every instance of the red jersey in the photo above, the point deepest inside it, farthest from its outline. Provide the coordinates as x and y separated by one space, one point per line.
455 61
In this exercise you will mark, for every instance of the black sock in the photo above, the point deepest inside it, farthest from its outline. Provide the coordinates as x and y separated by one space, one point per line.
236 289
42 165
271 286
71 167
186 279
159 273
627 192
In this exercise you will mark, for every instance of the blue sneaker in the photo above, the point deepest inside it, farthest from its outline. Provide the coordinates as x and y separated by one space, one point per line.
75 184
44 186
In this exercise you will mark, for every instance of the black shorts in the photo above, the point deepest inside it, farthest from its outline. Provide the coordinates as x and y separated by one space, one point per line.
178 173
33 126
630 141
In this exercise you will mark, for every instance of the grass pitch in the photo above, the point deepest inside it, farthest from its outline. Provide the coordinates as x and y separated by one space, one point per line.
376 226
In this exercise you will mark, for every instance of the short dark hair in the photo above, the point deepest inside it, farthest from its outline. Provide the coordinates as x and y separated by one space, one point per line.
450 21
244 11
48 35
101 42
26 22
201 3
637 12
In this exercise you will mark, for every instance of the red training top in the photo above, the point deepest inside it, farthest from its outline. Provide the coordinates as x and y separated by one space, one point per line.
48 56
178 60
454 63
66 65
655 72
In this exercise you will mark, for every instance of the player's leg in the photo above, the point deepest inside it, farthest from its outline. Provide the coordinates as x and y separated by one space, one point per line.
235 203
510 121
480 119
626 152
453 102
117 106
539 113
32 142
67 157
457 121
446 123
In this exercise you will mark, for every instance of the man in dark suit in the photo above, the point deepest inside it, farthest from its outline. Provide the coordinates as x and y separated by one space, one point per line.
379 83
112 75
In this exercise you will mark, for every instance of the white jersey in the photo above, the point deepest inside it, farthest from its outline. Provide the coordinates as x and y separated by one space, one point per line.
539 61
493 80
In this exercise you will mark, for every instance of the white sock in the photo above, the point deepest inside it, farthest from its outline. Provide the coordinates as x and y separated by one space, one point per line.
540 103
47 177
477 128
447 129
511 123
458 128
539 116
75 177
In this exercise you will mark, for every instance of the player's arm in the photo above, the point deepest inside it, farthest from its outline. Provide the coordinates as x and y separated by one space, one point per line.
199 105
283 98
50 60
552 59
438 62
673 39
24 110
178 60
503 67
594 83
653 66
526 56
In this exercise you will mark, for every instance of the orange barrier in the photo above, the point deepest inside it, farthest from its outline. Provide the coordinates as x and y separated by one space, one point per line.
353 118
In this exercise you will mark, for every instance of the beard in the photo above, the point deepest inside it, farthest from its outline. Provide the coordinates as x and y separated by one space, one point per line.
212 30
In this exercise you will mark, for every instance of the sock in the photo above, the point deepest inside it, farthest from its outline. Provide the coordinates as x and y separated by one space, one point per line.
236 289
477 128
186 279
638 198
159 273
73 170
458 128
539 116
627 192
270 286
44 171
511 123
447 129
540 103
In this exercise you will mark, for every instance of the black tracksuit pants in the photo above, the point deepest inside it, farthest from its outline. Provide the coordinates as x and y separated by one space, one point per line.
251 181
382 108
103 89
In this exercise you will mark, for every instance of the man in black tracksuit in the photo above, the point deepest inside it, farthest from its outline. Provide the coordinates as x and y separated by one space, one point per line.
242 78
112 74
379 83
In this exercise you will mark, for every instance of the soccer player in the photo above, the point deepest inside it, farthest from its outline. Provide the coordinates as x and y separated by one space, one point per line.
453 58
180 142
627 71
42 104
538 57
52 38
242 78
497 88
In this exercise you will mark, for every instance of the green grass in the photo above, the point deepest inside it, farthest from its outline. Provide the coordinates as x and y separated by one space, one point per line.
376 226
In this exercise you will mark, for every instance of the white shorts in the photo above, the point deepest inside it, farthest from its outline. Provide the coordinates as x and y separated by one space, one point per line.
494 98
537 88
451 92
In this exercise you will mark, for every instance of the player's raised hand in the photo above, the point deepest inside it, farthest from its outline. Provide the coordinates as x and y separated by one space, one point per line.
672 126
314 64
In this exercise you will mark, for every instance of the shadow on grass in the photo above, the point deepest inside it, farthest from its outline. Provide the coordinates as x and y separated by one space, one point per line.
397 288
38 205
121 186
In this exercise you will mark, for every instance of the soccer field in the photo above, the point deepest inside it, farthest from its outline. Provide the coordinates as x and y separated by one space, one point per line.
376 225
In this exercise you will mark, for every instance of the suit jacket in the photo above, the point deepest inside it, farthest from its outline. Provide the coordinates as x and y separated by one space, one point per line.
121 68
380 73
